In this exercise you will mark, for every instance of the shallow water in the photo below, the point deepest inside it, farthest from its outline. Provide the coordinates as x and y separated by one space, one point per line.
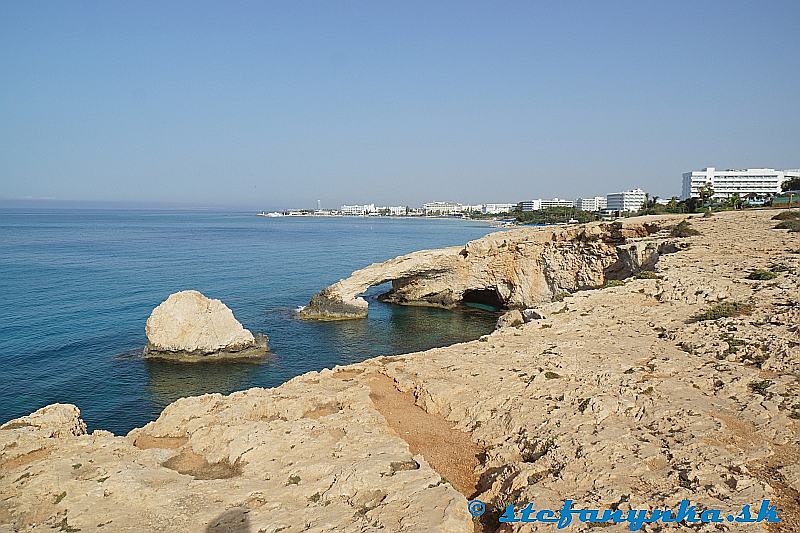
77 286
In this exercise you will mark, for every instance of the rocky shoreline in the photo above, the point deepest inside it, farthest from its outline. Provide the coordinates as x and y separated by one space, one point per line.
678 383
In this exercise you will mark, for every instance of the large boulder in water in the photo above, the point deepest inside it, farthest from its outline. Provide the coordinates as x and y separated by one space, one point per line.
188 326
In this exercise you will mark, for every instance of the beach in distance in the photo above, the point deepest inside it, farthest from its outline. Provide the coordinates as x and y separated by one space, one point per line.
78 286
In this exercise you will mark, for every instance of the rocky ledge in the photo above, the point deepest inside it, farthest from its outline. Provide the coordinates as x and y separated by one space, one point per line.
187 326
679 383
510 269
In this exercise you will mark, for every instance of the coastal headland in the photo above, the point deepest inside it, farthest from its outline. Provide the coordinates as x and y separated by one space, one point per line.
635 387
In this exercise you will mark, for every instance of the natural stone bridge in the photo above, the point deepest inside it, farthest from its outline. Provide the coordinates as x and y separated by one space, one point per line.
509 269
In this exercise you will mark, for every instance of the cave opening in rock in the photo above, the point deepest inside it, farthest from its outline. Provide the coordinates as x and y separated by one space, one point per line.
377 292
487 298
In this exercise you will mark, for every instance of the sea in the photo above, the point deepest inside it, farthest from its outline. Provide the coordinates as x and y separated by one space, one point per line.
77 285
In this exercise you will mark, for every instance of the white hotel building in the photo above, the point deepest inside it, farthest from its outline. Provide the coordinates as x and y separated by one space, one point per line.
442 208
358 209
593 205
394 210
530 205
629 201
557 202
539 203
758 181
493 209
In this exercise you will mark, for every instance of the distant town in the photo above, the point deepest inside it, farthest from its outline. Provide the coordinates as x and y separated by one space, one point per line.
700 189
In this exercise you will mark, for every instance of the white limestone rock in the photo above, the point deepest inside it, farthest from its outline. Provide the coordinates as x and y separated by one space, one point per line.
188 326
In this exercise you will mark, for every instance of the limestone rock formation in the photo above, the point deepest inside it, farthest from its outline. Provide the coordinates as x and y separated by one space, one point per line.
511 269
314 455
52 421
510 319
187 326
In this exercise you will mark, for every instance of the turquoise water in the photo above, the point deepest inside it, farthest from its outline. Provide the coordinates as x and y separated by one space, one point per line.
77 286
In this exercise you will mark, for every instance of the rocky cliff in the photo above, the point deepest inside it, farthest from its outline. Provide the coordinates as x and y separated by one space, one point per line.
511 269
682 383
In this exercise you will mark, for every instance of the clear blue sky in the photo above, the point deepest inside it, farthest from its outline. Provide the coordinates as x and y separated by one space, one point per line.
283 103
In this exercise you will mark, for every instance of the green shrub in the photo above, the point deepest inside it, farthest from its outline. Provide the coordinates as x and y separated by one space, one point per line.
723 310
683 229
583 404
761 274
787 215
792 225
561 295
614 283
708 214
760 387
733 343
647 274
551 375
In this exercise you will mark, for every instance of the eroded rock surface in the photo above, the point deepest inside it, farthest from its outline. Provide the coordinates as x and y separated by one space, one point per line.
615 397
188 326
510 269
510 319
52 421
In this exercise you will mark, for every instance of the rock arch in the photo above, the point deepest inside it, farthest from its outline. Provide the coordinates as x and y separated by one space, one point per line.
509 269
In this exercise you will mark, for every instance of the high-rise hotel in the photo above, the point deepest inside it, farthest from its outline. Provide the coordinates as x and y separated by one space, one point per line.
757 181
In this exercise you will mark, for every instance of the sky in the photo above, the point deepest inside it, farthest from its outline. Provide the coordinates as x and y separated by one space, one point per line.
281 104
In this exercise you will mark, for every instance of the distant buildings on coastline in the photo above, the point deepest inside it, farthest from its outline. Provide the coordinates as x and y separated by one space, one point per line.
618 202
626 201
755 184
455 209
